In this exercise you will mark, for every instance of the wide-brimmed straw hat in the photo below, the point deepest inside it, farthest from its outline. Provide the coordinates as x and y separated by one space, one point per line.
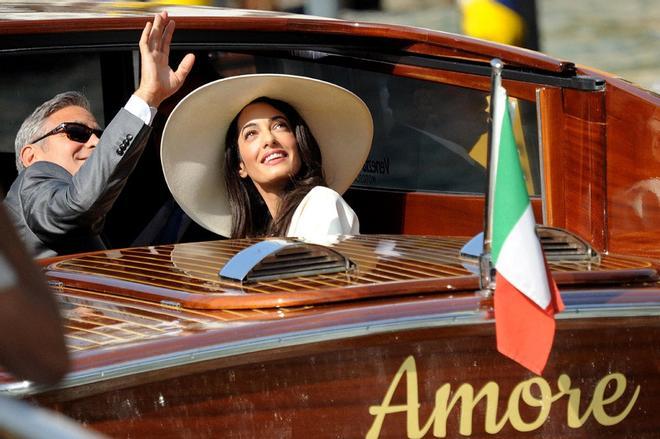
193 142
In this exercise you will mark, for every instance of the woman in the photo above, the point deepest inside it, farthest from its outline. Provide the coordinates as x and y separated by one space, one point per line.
267 155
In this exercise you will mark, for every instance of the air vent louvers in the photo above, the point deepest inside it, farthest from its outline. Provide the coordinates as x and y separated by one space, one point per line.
280 259
558 245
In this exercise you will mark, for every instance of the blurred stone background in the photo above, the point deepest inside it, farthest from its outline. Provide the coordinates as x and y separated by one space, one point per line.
617 36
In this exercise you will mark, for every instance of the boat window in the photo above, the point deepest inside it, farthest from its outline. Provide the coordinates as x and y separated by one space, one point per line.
28 81
428 136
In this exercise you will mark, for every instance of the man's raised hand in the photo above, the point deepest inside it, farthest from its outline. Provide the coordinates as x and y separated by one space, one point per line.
157 80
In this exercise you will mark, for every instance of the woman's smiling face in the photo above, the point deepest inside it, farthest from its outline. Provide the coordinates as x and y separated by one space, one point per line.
267 147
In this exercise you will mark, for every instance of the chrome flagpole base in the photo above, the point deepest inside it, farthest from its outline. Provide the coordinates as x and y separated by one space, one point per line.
486 275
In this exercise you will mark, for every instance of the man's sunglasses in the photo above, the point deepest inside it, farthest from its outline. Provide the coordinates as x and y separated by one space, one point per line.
74 131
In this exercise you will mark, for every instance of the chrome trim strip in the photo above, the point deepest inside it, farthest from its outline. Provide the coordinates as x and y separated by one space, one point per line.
217 351
244 347
541 146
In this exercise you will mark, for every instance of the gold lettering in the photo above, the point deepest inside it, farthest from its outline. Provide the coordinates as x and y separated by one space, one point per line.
411 408
596 406
534 392
573 418
599 401
524 390
468 402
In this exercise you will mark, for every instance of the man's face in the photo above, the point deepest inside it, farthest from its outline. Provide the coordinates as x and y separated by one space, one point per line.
61 150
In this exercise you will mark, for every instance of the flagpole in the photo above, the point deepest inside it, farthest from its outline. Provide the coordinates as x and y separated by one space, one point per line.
487 281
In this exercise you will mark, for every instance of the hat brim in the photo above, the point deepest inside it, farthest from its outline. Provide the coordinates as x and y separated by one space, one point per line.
193 141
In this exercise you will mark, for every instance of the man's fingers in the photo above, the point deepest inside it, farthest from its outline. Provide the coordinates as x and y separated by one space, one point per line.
144 38
167 37
185 66
156 33
164 23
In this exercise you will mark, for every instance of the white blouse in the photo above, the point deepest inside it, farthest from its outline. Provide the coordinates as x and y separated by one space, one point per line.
321 214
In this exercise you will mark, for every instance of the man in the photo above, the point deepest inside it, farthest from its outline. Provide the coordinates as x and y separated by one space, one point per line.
69 174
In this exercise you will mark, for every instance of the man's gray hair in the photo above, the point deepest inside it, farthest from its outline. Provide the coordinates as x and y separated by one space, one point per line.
32 126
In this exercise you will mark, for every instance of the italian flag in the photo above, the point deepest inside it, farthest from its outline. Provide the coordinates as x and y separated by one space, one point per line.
526 296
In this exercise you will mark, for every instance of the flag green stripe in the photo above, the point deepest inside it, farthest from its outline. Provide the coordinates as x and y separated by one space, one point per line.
511 197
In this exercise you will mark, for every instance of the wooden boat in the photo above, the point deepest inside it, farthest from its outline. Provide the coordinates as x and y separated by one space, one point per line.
404 345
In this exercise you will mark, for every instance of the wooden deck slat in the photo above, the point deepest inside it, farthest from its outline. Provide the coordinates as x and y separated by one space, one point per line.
97 321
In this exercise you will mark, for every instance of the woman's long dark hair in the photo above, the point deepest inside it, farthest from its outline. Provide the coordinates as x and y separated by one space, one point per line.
250 215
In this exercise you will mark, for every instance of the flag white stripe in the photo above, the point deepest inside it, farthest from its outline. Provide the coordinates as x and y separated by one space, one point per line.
521 260
496 126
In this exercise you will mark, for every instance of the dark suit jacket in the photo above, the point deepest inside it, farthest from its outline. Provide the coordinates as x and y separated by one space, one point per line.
57 213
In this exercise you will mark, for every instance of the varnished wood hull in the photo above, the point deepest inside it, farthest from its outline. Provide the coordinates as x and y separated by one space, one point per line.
336 388
402 347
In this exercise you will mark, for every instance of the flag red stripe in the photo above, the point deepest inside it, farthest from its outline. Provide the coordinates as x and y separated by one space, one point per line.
556 304
524 331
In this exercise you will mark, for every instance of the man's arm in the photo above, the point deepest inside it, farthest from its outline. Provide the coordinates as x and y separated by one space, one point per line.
54 203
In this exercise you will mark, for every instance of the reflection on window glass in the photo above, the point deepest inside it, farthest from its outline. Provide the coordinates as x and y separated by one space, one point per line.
428 143
428 136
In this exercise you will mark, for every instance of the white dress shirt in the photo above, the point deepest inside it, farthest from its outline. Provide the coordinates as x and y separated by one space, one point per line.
137 107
